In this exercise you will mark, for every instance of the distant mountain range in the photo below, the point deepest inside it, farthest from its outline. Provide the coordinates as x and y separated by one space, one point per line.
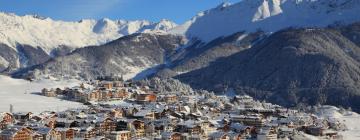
32 39
290 52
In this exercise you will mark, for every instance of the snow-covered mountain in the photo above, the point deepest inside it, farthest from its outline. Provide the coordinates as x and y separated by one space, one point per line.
127 56
269 16
49 34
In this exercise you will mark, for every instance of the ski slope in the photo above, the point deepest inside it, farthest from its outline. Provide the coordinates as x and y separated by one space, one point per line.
18 93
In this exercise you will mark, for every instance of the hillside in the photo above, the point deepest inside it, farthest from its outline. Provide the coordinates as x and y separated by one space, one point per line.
290 67
126 56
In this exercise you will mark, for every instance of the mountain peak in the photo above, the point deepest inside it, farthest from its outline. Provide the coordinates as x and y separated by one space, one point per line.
269 16
223 5
48 34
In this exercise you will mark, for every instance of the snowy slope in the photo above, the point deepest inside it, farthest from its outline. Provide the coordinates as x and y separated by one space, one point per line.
268 15
49 34
350 119
13 92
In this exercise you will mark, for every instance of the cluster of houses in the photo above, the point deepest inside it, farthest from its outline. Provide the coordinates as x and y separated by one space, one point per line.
120 110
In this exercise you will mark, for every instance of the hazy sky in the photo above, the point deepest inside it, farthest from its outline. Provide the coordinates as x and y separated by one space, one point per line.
74 10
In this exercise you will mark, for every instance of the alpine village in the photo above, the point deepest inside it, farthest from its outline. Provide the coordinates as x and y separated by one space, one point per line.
125 110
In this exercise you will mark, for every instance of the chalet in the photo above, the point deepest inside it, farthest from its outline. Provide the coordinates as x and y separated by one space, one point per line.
3 125
190 127
105 95
63 122
117 113
130 111
242 129
120 94
172 136
118 84
23 116
55 135
219 136
66 133
37 118
16 133
286 131
163 125
208 127
150 129
315 130
87 133
105 126
50 123
145 114
107 85
266 134
45 133
37 136
123 125
138 127
170 98
143 98
254 120
94 96
120 135
6 119
76 95
237 136
48 93
160 113
331 134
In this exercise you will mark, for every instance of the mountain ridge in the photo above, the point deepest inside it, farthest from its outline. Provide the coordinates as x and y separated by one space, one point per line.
49 34
290 67
268 16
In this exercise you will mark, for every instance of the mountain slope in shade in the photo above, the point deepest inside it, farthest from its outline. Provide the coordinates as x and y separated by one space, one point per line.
48 34
199 55
291 67
269 16
126 56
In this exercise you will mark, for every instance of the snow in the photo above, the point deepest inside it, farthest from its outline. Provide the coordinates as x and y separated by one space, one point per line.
131 70
49 34
269 16
226 19
18 93
310 137
350 119
329 112
3 62
352 122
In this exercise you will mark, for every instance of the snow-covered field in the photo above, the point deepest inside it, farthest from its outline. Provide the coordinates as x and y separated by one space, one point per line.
350 119
17 92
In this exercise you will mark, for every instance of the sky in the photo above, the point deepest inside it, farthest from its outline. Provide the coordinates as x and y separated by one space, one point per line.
178 11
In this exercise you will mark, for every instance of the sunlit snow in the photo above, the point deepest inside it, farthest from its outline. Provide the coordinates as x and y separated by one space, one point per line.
17 92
